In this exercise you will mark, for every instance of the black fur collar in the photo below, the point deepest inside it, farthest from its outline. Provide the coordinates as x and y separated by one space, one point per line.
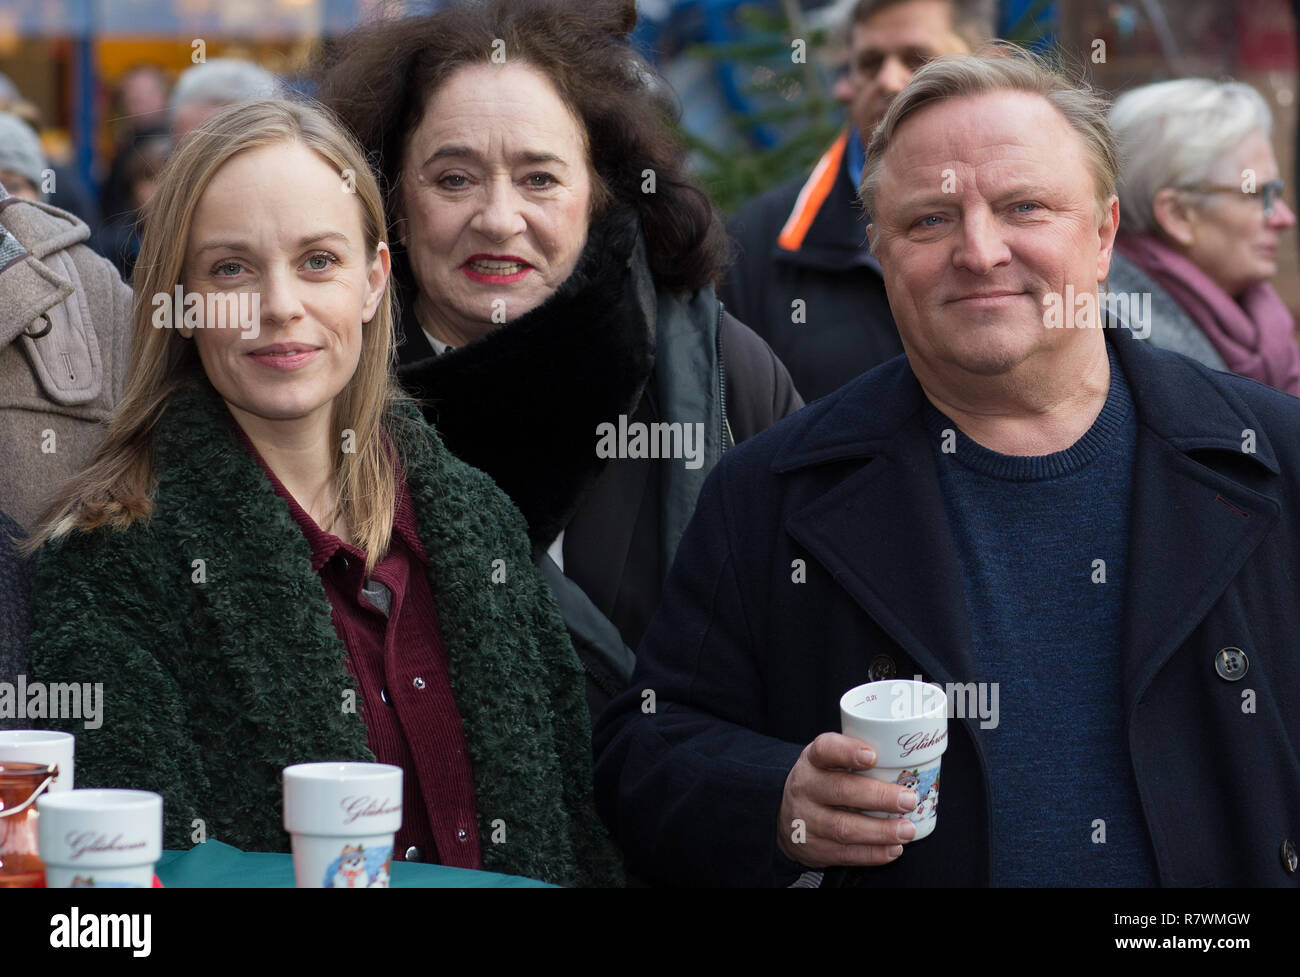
524 402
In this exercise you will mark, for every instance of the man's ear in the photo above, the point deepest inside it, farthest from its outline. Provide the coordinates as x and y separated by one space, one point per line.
1174 216
1106 233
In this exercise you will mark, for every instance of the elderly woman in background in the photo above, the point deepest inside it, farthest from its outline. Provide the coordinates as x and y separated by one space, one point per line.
1201 213
556 275
270 532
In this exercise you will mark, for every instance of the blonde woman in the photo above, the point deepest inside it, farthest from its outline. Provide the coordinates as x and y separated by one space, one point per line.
271 559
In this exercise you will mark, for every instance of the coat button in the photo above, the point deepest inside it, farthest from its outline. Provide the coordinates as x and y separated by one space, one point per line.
462 834
882 667
413 854
383 694
1289 860
1231 664
418 683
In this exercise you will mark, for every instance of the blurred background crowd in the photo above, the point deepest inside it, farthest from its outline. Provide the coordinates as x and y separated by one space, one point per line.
105 86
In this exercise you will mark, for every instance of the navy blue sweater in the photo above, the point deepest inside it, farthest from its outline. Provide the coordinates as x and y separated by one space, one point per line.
1042 543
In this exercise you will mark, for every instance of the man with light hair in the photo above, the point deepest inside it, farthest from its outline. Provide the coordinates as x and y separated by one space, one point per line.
803 277
205 88
1098 534
1203 215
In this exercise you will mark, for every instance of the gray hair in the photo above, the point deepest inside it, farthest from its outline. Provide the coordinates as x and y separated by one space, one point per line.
1011 69
1172 133
223 81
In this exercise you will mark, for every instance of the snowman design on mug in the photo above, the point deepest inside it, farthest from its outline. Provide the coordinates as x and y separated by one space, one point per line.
926 786
350 872
928 806
355 868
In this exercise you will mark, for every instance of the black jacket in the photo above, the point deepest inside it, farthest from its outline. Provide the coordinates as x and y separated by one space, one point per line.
847 327
14 595
524 403
748 661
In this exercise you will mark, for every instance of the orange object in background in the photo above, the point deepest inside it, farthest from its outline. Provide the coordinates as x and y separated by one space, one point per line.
20 784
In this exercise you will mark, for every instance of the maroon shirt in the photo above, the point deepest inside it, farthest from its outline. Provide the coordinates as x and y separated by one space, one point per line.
400 664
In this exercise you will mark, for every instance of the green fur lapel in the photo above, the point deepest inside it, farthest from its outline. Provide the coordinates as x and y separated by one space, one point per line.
252 668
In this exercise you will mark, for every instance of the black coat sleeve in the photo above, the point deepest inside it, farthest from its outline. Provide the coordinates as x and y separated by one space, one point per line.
759 389
752 232
688 787
741 281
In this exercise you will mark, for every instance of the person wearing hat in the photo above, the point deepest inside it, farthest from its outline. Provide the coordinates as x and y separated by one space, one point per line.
21 162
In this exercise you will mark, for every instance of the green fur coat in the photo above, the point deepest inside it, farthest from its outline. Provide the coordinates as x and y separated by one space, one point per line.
219 674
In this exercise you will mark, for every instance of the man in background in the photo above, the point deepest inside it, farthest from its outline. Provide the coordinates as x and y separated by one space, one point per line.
803 278
140 107
205 89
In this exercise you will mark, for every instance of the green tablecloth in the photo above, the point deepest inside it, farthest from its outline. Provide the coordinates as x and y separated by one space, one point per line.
213 865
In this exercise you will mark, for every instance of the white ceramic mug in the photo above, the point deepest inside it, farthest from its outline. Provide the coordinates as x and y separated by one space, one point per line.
906 723
342 818
100 838
41 746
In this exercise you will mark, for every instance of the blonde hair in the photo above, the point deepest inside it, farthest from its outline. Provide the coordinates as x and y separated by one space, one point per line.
116 487
1001 66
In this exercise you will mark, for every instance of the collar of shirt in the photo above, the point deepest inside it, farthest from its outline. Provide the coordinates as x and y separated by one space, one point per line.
324 544
855 157
439 347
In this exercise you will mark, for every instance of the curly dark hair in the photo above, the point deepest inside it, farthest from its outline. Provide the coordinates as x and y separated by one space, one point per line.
379 78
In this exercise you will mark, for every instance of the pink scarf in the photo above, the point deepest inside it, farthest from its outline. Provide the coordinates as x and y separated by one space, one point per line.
1255 335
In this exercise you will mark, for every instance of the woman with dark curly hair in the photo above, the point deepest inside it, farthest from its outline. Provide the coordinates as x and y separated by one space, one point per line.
555 268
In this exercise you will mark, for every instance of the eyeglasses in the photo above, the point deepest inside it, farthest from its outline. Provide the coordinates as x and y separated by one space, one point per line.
1269 193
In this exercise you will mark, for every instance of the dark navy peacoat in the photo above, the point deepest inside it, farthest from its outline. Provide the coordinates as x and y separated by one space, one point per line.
743 665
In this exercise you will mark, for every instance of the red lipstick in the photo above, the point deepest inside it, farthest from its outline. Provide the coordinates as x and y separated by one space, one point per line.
495 269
